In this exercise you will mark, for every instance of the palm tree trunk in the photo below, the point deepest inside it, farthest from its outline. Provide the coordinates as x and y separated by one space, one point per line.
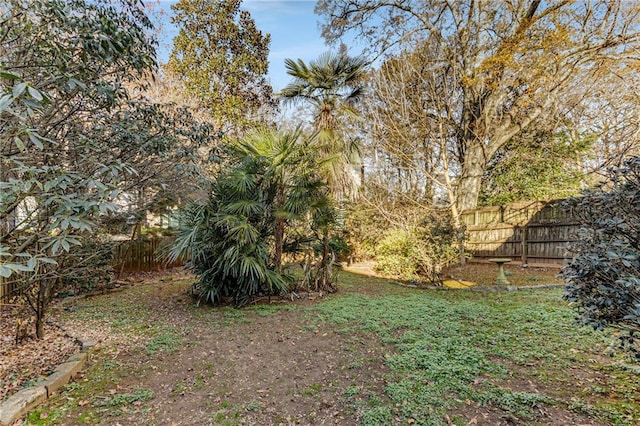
279 231
325 259
279 243
323 279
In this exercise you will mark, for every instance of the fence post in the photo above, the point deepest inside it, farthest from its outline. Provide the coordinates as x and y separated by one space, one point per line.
525 244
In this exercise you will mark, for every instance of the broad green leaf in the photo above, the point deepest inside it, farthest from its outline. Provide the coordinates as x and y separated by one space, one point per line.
73 83
19 143
9 75
19 267
73 241
19 88
5 271
31 263
33 137
32 105
5 101
35 93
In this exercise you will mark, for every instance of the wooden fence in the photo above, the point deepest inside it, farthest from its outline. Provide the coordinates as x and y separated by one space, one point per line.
8 287
129 256
533 233
141 256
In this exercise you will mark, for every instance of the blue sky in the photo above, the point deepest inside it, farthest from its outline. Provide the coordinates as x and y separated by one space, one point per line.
293 26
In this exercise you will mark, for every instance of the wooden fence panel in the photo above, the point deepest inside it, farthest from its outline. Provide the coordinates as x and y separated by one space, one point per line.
9 286
494 241
534 233
141 256
6 288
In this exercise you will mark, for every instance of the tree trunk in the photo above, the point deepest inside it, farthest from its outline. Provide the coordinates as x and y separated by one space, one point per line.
323 278
41 306
458 226
459 229
324 263
279 243
325 249
471 178
279 231
40 325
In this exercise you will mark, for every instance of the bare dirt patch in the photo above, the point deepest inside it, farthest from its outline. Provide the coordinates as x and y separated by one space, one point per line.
26 361
165 361
268 364
269 371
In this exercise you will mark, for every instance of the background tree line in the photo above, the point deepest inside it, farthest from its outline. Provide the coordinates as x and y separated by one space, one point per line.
477 104
460 84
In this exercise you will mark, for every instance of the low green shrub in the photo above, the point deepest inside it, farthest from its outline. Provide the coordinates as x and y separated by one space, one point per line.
419 253
398 255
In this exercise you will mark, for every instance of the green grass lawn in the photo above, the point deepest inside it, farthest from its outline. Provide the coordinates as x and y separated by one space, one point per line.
443 356
511 351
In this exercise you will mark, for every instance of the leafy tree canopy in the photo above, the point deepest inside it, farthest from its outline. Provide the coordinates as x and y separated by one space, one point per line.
222 58
73 137
64 65
332 85
538 165
491 70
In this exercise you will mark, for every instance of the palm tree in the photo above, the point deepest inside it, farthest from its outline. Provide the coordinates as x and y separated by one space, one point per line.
332 85
289 170
236 241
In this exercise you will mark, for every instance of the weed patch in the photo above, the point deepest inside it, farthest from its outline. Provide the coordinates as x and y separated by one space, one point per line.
122 399
374 353
267 310
163 343
444 344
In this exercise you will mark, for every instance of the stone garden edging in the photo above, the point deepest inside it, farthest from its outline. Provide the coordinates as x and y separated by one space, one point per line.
27 399
20 403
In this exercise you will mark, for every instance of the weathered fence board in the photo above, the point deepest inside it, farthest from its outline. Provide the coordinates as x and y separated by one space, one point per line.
7 287
533 233
141 256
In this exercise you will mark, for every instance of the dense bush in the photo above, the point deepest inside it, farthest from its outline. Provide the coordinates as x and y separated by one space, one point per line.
340 248
73 132
229 253
421 252
366 229
604 276
398 254
92 265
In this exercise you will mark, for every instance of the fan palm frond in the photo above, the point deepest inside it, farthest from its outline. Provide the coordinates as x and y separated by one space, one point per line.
332 85
234 240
